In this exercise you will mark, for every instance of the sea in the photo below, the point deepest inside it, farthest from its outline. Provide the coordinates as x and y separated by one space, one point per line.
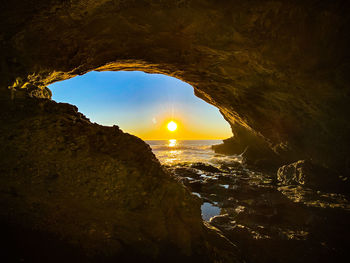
172 152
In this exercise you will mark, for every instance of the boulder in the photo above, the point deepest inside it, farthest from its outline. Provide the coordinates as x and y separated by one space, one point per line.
205 167
310 175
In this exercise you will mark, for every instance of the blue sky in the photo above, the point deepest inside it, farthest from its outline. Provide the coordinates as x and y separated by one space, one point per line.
142 104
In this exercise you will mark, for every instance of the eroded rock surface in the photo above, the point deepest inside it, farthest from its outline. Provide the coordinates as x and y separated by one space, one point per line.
271 222
81 190
310 175
277 70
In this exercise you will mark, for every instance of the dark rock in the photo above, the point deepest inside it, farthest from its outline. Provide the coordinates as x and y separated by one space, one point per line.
94 190
195 186
220 220
226 178
205 167
277 70
310 175
186 172
257 216
210 180
272 90
230 166
254 149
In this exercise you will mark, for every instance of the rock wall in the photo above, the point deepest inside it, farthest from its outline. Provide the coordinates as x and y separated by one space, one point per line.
93 189
275 69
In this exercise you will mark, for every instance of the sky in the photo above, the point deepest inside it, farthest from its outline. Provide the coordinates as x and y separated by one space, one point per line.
143 104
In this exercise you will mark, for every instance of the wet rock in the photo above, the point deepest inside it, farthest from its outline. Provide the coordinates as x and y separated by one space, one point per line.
277 70
257 216
230 166
310 175
195 186
255 151
205 167
226 178
186 172
220 219
210 180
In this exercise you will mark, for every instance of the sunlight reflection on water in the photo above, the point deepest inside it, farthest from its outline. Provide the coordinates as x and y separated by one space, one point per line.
172 142
174 151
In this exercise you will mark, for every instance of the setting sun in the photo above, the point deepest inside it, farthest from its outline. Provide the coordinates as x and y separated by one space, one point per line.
172 126
168 108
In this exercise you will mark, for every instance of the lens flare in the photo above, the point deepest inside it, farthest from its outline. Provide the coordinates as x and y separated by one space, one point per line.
172 126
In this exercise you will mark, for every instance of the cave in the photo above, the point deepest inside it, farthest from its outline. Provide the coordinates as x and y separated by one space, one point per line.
72 190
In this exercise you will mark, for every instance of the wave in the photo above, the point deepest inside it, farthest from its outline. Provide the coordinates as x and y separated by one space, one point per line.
224 159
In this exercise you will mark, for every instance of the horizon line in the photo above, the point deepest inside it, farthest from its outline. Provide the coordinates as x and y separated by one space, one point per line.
182 139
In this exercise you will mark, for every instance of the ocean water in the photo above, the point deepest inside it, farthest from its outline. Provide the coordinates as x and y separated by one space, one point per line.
172 152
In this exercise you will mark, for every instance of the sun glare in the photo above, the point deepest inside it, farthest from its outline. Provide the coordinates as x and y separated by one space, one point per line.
172 143
172 126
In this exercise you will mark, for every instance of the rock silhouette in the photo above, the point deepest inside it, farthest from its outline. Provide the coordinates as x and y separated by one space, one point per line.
277 71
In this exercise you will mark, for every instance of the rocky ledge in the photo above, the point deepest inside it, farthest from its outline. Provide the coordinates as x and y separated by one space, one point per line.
270 220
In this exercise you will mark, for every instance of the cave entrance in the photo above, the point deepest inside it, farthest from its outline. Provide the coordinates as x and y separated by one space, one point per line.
161 110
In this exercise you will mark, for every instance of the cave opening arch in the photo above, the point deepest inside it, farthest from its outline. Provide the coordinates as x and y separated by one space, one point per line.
141 104
277 70
263 83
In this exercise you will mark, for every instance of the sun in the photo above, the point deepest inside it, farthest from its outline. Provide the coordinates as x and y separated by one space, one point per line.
172 126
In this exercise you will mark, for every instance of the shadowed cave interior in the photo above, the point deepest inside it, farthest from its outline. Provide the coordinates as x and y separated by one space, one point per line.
76 191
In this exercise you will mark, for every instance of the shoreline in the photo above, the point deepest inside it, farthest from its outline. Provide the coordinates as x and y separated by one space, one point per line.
255 212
